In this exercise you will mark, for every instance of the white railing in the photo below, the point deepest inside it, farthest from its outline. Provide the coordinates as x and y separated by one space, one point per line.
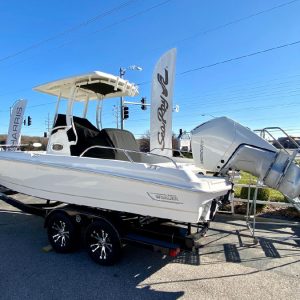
127 154
267 130
258 201
251 214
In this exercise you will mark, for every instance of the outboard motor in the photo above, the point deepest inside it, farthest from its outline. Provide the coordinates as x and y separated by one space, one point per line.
221 145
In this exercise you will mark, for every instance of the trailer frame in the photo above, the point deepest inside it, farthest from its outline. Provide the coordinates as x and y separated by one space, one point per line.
166 236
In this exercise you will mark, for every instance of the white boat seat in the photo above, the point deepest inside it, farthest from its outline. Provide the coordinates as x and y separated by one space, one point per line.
88 136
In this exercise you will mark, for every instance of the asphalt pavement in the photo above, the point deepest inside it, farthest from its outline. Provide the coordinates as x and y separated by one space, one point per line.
229 266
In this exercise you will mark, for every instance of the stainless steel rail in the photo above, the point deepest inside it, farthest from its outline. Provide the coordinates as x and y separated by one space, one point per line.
267 130
177 150
127 154
251 213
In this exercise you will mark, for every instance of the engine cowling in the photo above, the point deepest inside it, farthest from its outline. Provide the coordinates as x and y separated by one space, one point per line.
222 144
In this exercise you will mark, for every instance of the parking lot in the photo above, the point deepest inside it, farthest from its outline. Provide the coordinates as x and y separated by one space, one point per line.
228 266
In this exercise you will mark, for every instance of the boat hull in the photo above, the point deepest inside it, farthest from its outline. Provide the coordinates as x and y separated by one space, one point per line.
119 186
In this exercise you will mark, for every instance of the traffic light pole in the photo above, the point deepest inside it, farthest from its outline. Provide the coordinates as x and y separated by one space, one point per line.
121 112
122 73
136 103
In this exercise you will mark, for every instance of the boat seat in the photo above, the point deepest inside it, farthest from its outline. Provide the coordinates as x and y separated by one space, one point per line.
123 139
83 125
88 135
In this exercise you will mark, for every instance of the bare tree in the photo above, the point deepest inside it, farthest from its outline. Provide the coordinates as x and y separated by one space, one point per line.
144 142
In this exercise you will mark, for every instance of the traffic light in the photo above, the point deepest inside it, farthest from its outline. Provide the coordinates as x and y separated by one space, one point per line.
28 120
125 112
143 102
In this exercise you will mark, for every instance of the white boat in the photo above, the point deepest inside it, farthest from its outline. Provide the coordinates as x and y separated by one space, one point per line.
103 168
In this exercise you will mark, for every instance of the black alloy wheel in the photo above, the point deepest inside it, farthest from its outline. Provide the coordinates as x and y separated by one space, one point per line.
103 242
62 232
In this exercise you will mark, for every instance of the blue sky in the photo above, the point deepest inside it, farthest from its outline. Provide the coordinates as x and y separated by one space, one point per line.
43 41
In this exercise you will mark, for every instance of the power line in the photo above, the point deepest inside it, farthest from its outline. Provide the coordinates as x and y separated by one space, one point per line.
93 19
197 34
216 98
74 28
231 95
245 99
228 110
113 24
216 28
15 92
246 109
116 23
67 31
241 57
248 86
141 12
271 118
181 123
136 15
231 59
180 117
33 106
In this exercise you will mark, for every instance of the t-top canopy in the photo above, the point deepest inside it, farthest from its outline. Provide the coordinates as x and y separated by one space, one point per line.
93 85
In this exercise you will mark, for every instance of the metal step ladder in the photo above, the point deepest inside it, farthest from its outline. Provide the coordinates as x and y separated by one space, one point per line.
252 222
266 133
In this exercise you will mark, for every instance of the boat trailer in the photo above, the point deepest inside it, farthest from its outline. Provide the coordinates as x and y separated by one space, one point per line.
106 232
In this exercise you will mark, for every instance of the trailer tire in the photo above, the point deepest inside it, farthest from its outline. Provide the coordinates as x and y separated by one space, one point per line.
103 242
62 232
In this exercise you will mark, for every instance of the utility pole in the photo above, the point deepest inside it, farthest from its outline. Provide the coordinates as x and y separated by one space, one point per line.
122 72
48 123
116 114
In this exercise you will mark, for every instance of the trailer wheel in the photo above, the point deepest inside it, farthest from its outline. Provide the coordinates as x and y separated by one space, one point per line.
103 242
62 232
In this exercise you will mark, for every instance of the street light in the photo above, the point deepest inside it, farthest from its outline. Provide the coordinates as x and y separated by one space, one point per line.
122 73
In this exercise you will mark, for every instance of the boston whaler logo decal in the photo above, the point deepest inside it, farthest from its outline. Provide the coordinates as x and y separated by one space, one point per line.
164 198
164 106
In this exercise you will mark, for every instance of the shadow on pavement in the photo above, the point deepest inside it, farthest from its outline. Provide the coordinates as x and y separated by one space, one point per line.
272 231
187 258
27 272
231 253
269 248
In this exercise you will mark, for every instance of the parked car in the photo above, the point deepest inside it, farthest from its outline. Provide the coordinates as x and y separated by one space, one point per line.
287 143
